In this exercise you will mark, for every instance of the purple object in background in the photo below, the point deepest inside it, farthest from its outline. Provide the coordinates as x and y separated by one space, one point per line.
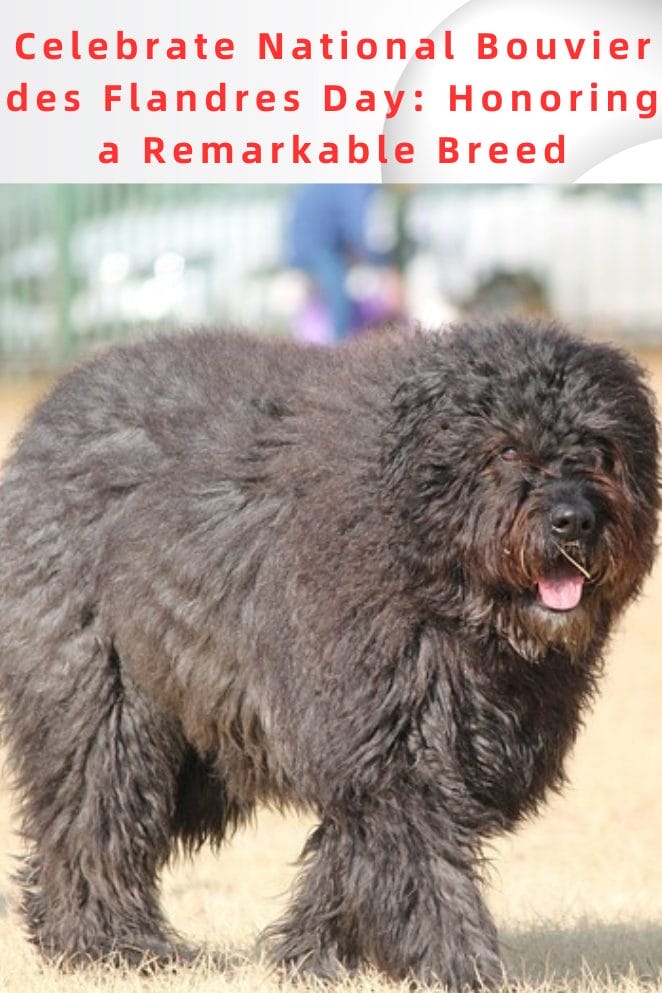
314 326
313 323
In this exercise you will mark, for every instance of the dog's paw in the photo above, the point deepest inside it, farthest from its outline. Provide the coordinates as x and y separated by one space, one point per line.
462 973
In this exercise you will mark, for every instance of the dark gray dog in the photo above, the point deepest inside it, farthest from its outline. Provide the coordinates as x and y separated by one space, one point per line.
375 582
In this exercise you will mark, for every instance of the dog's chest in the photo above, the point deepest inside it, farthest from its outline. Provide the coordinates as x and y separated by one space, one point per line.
508 731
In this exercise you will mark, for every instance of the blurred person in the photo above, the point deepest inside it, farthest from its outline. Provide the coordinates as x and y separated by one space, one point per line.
333 230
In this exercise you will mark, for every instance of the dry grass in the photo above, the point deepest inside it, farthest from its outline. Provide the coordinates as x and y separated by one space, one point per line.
577 893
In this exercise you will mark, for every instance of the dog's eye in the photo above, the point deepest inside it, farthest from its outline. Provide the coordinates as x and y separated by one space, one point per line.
510 454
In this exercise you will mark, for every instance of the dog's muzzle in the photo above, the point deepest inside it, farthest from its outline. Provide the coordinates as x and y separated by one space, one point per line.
571 523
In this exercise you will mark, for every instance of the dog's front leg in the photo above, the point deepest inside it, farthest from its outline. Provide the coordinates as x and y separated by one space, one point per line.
386 885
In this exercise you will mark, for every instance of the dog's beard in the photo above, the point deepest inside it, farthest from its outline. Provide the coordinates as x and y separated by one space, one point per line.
556 606
533 630
557 595
505 574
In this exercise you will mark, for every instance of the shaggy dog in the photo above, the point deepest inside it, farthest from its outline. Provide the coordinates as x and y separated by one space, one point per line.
375 582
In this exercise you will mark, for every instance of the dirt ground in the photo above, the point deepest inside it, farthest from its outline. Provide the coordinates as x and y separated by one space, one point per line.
577 893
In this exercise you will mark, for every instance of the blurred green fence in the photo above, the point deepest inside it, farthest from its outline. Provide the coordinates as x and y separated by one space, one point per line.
81 265
86 264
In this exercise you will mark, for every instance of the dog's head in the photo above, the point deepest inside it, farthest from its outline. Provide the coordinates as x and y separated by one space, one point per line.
524 466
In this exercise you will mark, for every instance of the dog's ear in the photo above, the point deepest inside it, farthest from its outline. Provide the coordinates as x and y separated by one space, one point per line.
422 490
420 412
415 466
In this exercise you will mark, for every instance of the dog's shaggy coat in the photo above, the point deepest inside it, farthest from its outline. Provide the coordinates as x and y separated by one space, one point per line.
375 582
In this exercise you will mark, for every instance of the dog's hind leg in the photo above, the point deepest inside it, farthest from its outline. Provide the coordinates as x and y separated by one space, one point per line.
391 889
97 770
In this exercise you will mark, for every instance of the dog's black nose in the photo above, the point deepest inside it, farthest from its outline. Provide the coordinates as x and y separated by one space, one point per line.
572 520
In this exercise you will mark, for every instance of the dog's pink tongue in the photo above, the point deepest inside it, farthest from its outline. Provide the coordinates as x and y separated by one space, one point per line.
561 592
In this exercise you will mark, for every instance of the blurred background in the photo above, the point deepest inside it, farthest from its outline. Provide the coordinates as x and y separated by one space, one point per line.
84 265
